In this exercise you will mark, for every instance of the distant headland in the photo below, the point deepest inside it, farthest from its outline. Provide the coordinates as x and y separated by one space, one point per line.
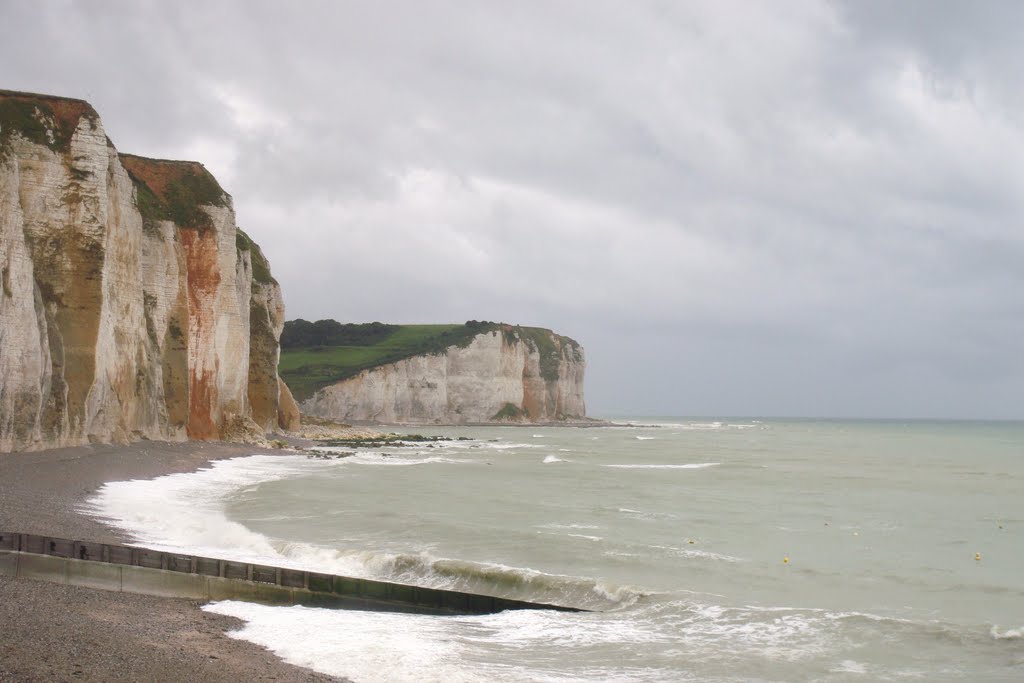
479 372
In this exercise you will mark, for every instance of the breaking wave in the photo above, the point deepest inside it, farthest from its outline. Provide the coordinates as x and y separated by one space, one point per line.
530 644
423 569
184 513
1008 634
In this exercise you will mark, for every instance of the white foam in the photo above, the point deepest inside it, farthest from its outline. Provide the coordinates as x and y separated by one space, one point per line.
535 645
689 466
389 460
697 553
365 647
645 438
647 515
716 630
848 666
553 458
185 511
512 646
1008 634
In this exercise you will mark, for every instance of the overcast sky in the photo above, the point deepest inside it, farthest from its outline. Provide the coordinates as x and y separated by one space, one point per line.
738 208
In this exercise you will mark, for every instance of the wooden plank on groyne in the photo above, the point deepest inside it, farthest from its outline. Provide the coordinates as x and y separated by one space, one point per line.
132 569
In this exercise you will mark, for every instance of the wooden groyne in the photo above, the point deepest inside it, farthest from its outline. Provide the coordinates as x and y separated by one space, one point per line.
133 569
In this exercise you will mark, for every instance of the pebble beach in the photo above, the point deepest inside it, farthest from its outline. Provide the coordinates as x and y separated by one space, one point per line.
51 632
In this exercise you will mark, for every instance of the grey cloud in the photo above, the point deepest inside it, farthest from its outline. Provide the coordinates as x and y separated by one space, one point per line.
784 208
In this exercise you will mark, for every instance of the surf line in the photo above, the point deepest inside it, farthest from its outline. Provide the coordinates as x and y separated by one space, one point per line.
132 569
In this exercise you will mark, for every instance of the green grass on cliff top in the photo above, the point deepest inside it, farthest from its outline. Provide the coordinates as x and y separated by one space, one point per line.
308 368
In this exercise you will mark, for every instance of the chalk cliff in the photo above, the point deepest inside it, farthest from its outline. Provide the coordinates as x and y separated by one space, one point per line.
502 375
131 305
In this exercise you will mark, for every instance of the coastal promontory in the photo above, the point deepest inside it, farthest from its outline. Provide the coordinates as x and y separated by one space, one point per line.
132 307
476 373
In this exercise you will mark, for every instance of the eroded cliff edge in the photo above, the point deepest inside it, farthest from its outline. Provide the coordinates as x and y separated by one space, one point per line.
500 375
131 304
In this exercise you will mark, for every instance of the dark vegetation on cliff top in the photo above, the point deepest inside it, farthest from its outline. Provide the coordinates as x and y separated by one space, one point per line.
42 119
260 266
175 191
300 333
317 354
165 189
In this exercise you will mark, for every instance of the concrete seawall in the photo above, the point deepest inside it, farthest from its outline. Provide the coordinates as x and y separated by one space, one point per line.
152 572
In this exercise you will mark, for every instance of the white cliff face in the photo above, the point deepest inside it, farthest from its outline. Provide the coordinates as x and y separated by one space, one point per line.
115 325
25 363
496 378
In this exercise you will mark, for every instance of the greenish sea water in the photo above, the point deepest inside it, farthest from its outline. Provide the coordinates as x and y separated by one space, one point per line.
711 550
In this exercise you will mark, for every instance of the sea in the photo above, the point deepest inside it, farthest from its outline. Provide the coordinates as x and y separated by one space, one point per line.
704 549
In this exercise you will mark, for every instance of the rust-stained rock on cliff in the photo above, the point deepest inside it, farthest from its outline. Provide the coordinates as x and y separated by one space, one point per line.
131 305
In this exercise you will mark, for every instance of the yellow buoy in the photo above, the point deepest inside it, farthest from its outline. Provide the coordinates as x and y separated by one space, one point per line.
691 541
977 556
785 560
